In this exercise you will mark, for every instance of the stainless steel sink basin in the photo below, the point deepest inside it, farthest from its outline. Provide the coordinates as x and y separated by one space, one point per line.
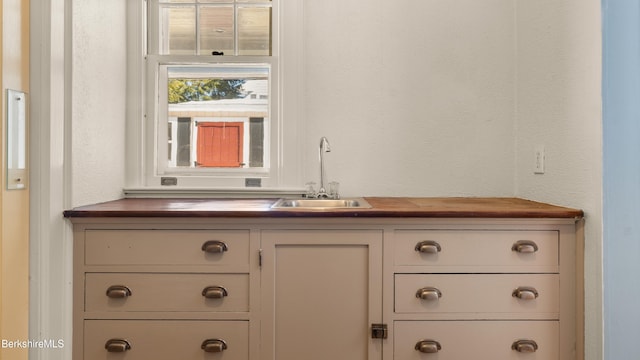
320 204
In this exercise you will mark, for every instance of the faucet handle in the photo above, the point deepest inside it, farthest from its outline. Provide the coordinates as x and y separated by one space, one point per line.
334 190
310 190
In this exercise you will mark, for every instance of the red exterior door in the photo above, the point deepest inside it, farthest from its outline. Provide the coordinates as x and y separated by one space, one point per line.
220 144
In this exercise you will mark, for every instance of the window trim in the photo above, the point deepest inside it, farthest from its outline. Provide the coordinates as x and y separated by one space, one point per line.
287 101
157 70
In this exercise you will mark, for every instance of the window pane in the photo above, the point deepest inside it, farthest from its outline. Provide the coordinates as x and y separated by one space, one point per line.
216 30
178 30
200 27
183 146
221 114
256 147
254 31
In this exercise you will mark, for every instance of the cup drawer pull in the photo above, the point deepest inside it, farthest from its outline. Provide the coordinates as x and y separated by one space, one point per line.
214 247
525 247
428 247
214 292
429 293
525 293
118 292
428 346
117 345
524 346
214 345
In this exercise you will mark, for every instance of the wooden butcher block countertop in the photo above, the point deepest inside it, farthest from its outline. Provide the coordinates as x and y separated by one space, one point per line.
382 207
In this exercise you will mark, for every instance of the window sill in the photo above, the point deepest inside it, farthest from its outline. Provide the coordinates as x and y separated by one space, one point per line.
177 192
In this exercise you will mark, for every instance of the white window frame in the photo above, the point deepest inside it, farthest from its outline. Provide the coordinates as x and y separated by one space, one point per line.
157 70
286 101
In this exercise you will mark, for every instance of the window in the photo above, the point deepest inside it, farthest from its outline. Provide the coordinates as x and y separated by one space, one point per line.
217 117
212 92
204 27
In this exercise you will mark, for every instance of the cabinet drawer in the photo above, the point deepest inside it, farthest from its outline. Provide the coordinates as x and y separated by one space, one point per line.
480 340
166 339
166 292
493 295
475 248
166 247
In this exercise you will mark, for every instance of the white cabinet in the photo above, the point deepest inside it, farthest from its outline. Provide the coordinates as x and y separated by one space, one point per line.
321 291
315 288
152 291
485 291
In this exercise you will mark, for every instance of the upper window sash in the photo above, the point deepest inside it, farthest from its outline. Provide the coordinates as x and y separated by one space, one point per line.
206 27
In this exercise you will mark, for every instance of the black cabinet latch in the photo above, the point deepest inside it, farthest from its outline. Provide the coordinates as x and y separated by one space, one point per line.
379 331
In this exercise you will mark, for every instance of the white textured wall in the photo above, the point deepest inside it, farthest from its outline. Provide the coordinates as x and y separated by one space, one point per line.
416 97
98 100
559 105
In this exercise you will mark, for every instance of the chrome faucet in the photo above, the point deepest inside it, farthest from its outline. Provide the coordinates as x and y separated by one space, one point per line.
324 147
322 193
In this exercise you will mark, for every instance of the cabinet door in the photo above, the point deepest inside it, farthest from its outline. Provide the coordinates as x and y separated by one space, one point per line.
321 292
